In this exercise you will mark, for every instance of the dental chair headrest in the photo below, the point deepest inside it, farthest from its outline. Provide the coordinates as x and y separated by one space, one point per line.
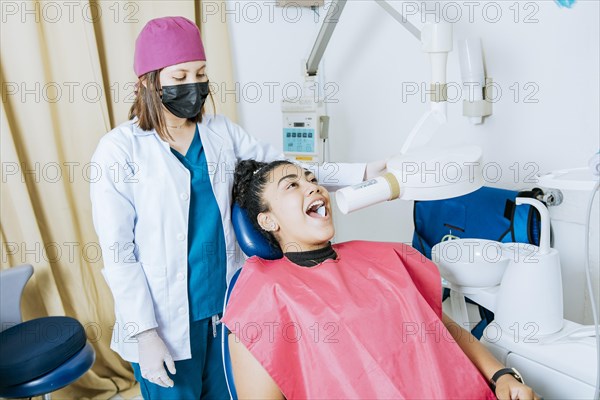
252 242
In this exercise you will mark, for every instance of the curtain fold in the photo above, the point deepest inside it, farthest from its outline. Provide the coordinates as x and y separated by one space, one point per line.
66 81
215 37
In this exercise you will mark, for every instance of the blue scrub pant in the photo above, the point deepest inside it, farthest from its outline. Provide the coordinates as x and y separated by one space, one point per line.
201 377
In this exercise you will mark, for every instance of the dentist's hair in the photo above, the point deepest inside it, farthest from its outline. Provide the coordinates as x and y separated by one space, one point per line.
250 179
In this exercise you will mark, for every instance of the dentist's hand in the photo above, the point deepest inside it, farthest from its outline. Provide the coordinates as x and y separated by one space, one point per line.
375 168
153 355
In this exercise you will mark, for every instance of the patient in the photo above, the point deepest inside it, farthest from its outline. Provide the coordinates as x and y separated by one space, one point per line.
350 320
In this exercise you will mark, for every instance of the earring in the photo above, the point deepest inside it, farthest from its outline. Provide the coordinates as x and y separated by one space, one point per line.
269 228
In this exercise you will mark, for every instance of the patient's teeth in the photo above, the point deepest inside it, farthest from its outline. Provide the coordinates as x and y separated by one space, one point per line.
321 211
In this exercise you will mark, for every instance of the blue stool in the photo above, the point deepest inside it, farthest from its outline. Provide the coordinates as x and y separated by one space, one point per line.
39 356
252 243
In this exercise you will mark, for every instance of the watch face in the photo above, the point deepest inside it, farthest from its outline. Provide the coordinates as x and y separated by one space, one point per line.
517 375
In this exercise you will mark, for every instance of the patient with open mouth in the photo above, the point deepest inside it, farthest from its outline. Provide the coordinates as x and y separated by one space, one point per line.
352 320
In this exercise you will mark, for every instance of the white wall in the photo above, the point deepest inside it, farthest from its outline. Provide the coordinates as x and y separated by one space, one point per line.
549 50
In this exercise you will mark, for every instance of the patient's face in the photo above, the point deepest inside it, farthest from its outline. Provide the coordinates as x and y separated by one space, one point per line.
300 209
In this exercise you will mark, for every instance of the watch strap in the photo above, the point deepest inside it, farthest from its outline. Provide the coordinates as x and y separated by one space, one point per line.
502 372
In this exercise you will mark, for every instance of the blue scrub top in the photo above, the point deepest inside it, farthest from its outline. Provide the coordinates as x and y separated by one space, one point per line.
207 262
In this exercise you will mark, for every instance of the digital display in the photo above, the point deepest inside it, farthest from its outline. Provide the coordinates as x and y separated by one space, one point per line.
298 124
299 140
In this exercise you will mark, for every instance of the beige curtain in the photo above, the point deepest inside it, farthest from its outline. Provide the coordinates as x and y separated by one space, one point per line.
67 78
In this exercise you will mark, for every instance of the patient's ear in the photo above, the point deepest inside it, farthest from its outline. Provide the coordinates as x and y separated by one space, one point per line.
267 223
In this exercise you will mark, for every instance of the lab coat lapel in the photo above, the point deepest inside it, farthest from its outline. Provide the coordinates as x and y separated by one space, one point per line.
212 143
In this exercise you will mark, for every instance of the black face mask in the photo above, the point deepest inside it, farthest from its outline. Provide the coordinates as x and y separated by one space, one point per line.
186 100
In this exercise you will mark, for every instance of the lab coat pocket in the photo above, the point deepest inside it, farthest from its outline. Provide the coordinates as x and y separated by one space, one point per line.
156 271
157 283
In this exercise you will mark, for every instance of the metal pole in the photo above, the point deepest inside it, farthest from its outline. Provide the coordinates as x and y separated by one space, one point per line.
333 16
400 18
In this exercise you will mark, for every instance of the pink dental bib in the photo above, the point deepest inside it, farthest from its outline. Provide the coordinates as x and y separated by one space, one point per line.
364 326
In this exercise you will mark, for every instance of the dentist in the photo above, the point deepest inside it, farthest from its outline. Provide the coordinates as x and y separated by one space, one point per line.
161 209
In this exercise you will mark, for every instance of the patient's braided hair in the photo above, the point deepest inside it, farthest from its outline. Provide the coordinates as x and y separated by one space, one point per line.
250 179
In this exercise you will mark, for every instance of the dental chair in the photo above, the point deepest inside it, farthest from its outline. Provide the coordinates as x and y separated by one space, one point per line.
41 355
252 243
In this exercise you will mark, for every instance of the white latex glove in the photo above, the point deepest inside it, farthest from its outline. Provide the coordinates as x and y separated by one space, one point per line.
375 168
153 355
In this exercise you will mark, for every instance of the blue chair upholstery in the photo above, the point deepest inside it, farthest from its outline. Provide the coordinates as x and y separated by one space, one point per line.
225 343
38 356
252 243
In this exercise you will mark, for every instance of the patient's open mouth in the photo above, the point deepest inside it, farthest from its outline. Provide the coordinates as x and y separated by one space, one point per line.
317 209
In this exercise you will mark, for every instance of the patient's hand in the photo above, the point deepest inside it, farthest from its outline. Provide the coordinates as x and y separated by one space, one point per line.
508 388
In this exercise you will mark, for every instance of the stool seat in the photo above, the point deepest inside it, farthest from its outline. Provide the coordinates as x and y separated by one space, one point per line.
33 348
39 356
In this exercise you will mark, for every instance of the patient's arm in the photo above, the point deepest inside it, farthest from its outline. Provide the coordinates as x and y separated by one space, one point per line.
251 379
507 386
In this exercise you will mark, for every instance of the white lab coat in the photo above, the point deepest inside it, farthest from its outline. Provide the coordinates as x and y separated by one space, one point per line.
140 203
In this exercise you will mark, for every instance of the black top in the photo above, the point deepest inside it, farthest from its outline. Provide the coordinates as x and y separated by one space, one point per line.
312 257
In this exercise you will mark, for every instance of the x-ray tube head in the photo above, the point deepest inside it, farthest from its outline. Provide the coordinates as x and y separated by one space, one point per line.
376 190
425 173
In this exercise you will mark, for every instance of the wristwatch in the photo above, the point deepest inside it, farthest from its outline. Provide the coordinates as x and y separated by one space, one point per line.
505 371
